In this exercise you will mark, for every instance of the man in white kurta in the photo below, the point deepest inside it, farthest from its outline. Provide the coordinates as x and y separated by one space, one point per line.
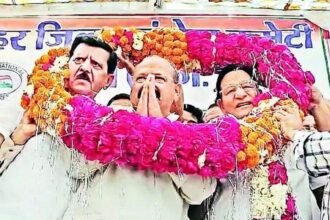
235 92
118 193
37 184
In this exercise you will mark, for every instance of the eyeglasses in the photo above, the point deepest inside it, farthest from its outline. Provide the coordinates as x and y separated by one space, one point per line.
247 86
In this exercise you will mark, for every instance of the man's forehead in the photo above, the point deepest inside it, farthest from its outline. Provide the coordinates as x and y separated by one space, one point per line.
154 64
96 53
235 76
236 83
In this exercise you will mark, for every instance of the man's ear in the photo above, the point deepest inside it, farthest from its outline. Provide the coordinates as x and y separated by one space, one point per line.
110 78
66 83
219 103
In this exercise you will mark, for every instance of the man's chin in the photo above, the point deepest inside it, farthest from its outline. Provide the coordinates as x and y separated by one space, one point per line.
243 112
81 91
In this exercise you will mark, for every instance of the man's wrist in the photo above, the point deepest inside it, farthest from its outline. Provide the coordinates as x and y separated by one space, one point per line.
2 138
15 139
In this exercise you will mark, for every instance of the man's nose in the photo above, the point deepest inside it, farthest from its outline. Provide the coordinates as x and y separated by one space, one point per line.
86 66
240 93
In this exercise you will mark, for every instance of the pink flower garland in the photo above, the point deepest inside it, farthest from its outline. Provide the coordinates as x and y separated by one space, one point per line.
290 211
200 48
277 68
156 144
278 175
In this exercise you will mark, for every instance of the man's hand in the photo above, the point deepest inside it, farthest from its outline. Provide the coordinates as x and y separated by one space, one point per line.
153 104
142 108
1 139
211 114
125 61
148 104
24 131
290 121
320 109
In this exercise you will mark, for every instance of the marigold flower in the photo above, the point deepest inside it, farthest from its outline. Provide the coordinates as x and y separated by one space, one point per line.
184 58
260 143
176 60
241 156
177 43
152 35
252 137
52 52
158 47
123 40
119 31
153 52
183 46
48 89
25 101
252 162
44 59
168 37
169 44
177 51
127 48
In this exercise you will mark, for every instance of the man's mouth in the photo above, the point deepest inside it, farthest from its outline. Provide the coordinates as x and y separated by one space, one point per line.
83 76
156 91
243 104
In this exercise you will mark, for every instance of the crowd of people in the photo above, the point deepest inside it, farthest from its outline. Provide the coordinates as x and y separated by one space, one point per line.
42 179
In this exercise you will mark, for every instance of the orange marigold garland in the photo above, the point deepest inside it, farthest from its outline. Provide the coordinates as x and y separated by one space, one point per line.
263 154
169 43
262 134
127 41
45 96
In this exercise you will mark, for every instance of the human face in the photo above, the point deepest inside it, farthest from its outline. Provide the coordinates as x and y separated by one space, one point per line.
189 118
237 93
165 88
88 70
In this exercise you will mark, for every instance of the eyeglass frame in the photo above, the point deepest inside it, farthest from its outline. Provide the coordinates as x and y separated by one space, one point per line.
251 81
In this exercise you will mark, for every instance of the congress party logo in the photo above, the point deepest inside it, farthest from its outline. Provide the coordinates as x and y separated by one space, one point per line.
10 78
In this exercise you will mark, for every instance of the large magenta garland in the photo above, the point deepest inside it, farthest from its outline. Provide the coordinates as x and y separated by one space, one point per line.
156 144
276 67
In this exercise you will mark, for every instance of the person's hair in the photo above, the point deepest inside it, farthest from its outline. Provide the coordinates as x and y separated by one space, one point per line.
175 71
194 111
227 69
119 96
94 42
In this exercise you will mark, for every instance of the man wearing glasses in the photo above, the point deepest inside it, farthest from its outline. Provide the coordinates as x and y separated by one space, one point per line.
236 90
